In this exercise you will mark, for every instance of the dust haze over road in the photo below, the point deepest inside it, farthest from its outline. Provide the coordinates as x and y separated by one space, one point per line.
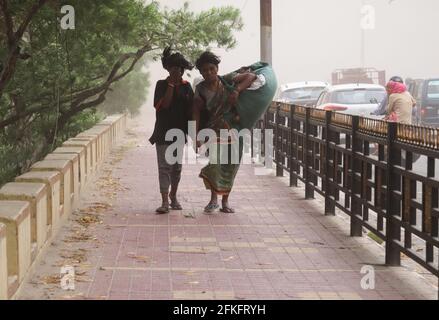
312 38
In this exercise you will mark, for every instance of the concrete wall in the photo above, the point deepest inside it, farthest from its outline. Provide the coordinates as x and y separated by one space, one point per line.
34 206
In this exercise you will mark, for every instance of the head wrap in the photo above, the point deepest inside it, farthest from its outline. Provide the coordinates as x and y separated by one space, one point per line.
396 87
175 60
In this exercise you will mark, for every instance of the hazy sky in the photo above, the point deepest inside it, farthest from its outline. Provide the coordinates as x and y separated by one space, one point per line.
311 38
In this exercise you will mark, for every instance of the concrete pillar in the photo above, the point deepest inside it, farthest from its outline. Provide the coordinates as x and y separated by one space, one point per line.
17 218
74 159
64 167
82 151
52 180
111 122
36 195
91 153
3 264
102 135
105 130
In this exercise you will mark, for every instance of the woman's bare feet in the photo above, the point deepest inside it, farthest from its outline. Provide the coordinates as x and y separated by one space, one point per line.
225 205
213 204
227 209
211 207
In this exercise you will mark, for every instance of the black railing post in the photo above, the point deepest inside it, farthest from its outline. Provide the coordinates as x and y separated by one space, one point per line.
293 178
258 127
264 127
409 187
356 208
430 201
309 192
393 254
252 151
278 145
329 202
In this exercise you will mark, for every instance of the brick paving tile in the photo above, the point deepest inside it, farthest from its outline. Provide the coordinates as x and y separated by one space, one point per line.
277 245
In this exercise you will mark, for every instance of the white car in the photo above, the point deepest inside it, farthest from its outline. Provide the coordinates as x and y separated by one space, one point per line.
355 99
301 93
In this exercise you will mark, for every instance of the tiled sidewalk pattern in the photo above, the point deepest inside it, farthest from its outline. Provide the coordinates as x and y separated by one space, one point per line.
277 245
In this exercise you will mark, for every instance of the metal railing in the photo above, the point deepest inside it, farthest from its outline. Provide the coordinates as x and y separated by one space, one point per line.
364 167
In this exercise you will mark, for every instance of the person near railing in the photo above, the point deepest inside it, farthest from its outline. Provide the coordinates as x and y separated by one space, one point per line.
401 103
173 103
381 110
234 101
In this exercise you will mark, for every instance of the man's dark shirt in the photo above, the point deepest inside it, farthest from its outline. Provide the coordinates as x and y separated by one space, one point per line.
177 115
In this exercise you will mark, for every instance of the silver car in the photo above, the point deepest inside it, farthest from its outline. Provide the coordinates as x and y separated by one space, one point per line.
301 93
356 99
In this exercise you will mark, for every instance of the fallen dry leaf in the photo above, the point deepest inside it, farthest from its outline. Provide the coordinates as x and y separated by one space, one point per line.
109 185
138 258
96 207
75 257
55 279
52 279
89 219
79 236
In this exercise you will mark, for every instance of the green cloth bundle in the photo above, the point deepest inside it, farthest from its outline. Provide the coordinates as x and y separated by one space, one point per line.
252 104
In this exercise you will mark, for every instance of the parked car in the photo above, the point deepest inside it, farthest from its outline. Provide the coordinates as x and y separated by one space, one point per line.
426 93
301 93
356 99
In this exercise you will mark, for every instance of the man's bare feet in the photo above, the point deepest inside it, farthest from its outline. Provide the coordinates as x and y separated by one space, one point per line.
163 209
175 205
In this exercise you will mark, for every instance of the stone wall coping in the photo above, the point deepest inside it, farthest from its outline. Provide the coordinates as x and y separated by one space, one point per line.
23 191
63 156
70 149
50 177
61 165
14 210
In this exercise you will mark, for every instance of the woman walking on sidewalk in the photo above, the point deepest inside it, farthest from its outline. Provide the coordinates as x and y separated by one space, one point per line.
234 101
173 103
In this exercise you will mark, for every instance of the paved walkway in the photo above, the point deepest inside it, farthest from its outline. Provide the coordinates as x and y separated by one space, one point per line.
277 245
